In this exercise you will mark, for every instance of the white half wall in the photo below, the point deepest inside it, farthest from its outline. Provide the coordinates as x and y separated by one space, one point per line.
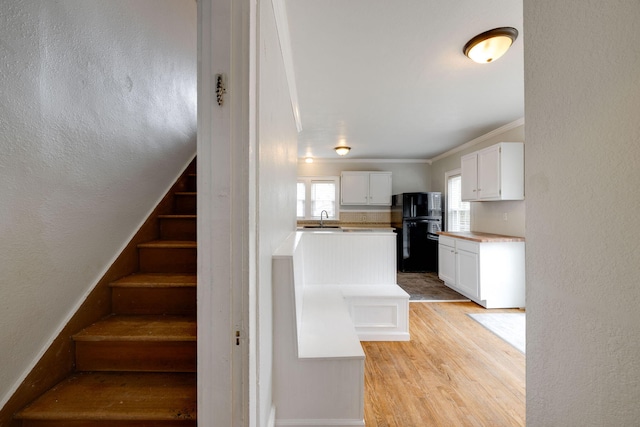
582 98
97 120
276 194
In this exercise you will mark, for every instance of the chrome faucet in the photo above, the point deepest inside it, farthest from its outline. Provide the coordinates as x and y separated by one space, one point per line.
321 222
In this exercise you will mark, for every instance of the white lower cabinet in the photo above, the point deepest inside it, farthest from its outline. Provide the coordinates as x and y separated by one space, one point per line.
468 280
490 273
447 259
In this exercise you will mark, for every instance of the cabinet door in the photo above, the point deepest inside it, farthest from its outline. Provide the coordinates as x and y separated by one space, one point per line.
469 176
489 173
467 273
380 189
354 188
447 264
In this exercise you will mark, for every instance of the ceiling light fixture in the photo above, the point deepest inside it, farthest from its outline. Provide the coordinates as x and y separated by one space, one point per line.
342 150
308 159
490 45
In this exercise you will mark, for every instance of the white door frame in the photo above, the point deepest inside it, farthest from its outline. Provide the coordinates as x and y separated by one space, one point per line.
226 251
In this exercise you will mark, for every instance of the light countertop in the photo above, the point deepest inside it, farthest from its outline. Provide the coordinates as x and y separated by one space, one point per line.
476 236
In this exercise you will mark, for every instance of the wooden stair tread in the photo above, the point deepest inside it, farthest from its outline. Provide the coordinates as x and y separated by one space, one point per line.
170 244
156 280
118 396
186 193
178 216
140 328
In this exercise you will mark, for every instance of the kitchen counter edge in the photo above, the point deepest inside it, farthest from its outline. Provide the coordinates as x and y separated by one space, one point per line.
476 236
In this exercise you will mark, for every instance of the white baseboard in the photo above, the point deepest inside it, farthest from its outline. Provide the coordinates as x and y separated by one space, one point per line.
272 417
384 336
320 423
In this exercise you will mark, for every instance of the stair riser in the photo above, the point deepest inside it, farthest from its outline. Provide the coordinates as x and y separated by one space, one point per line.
168 260
154 300
185 204
109 423
178 228
136 356
192 183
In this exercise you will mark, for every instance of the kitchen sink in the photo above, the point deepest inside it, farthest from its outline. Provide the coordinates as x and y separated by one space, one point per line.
317 227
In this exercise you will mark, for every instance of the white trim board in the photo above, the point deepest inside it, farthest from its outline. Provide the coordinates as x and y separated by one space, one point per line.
480 139
282 26
348 160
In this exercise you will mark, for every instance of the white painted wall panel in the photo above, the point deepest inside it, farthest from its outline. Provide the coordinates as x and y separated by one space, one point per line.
97 119
337 258
275 187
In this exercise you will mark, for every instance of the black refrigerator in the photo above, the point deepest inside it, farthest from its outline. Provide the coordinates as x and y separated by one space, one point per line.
417 218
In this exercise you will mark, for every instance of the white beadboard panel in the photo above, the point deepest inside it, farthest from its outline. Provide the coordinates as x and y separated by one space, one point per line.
350 258
298 284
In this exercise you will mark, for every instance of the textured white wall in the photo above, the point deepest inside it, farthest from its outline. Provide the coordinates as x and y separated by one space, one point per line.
276 190
582 99
96 121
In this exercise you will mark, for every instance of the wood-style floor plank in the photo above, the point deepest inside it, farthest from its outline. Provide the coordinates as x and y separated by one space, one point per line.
453 372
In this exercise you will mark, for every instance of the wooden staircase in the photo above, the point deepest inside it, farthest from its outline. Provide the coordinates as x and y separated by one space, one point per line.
136 367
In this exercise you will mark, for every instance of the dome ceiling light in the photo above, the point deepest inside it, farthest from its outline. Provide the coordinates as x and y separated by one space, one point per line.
490 45
342 150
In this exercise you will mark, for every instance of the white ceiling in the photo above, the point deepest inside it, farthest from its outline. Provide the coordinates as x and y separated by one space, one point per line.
390 79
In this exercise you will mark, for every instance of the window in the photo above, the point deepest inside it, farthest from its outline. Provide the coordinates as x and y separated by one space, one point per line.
458 212
317 194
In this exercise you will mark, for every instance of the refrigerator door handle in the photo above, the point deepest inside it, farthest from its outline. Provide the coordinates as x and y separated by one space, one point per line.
406 247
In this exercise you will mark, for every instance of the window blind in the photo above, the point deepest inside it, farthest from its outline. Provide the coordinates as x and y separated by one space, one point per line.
323 197
458 212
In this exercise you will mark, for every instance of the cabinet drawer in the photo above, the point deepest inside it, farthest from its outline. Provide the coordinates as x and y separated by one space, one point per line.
465 245
447 241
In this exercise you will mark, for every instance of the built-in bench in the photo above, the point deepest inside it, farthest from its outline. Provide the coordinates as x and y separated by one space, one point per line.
331 290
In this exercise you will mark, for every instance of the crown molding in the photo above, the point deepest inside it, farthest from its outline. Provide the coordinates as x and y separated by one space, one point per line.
325 160
486 136
282 27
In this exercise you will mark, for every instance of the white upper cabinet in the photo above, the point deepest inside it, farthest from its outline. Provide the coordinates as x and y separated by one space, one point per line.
469 171
494 173
366 188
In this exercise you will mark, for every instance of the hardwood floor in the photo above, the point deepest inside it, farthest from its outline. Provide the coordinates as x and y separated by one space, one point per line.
453 372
